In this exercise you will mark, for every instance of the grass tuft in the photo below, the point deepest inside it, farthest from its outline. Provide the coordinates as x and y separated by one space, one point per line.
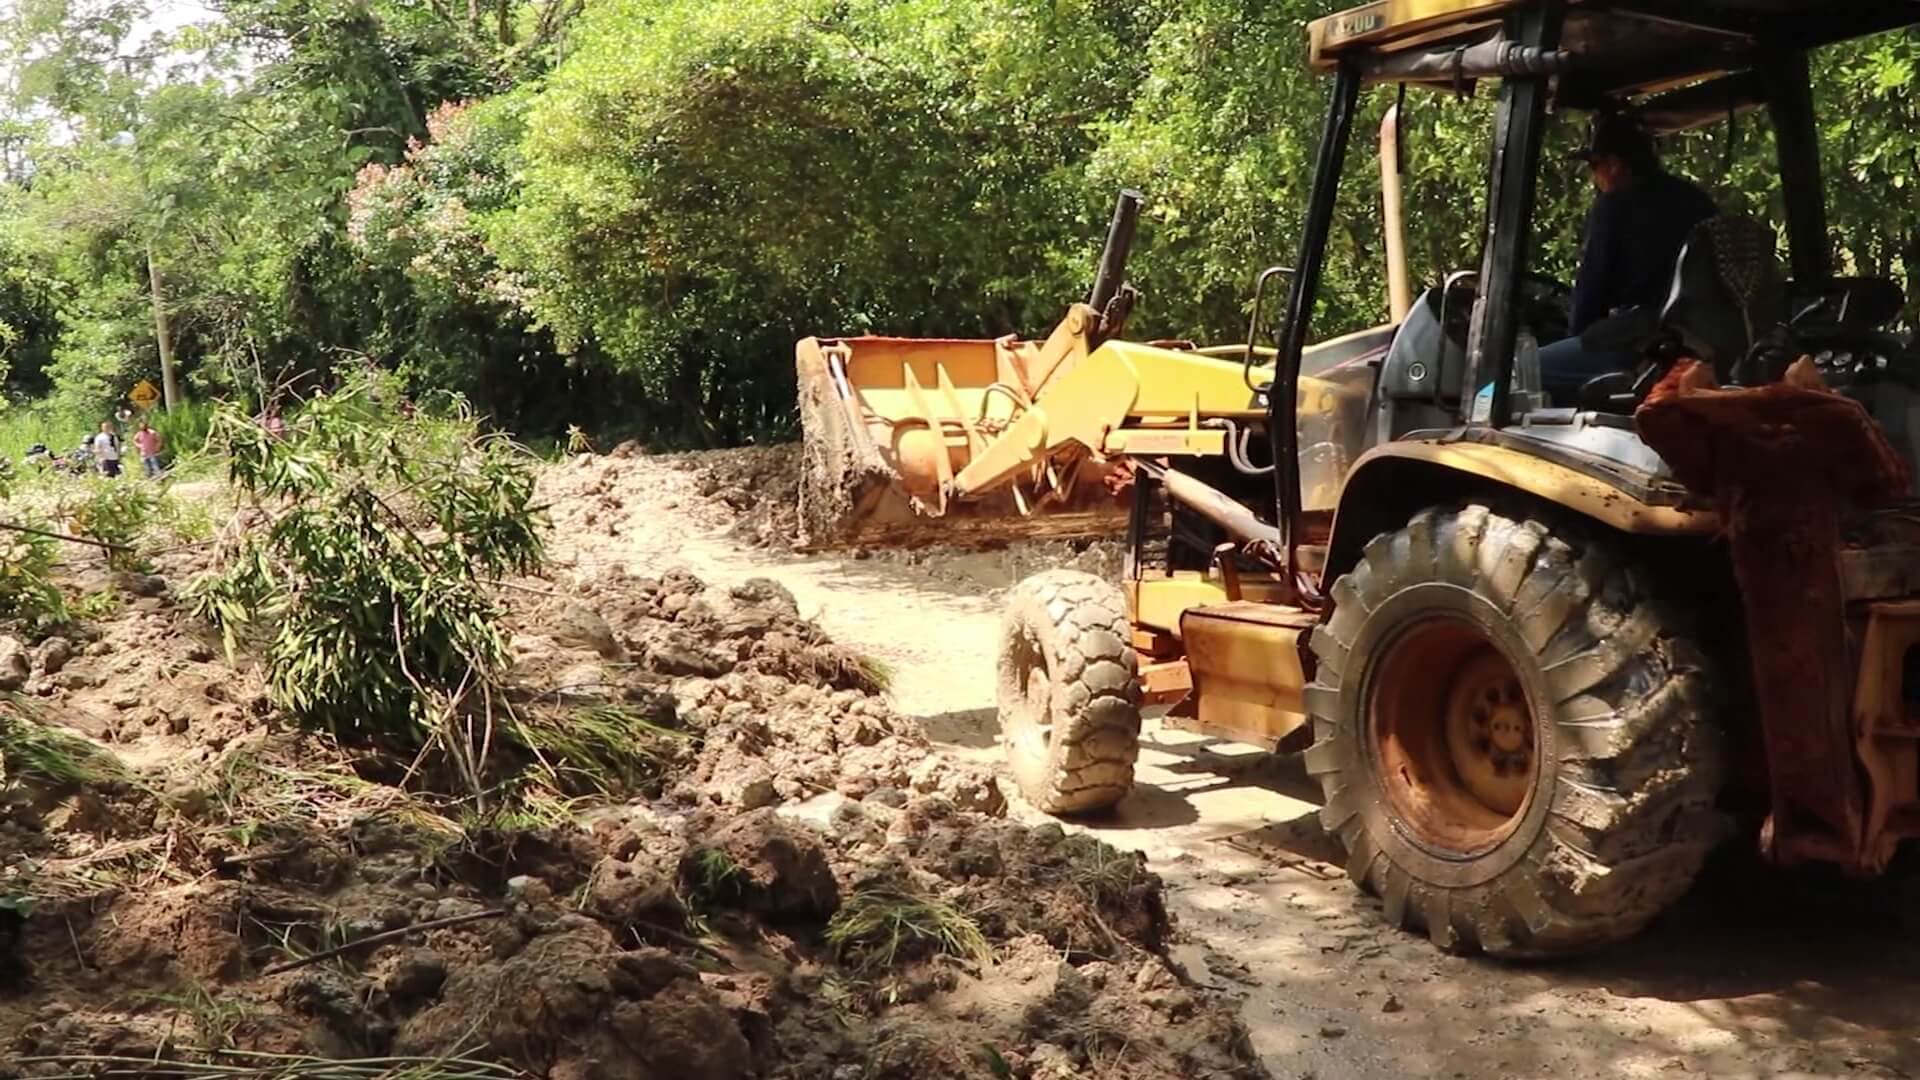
215 1018
257 789
605 749
877 673
32 750
1106 874
716 877
880 926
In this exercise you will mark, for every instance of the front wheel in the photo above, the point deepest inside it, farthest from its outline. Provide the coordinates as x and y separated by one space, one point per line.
1068 690
1512 736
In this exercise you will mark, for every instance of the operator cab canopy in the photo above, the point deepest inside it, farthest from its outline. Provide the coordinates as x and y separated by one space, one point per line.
1677 64
1673 64
1610 49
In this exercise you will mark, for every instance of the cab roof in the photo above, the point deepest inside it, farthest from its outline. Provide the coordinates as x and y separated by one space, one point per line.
1614 48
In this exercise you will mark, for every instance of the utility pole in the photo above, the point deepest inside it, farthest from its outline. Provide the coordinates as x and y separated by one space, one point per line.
162 332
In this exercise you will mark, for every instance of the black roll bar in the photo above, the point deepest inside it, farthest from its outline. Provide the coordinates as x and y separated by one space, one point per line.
1284 400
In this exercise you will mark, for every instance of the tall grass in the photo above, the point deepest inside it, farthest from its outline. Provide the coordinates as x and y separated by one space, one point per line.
184 430
24 425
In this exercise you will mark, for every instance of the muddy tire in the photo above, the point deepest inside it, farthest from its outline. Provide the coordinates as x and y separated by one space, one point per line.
1513 736
1069 696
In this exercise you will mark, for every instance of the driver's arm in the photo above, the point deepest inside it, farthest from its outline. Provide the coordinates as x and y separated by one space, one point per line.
1593 287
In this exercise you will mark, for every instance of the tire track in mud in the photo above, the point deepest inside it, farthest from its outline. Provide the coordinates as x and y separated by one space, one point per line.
1758 973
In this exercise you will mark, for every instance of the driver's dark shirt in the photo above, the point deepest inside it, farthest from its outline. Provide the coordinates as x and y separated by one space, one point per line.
1633 239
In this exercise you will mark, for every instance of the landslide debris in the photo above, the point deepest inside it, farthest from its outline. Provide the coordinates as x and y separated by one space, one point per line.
782 880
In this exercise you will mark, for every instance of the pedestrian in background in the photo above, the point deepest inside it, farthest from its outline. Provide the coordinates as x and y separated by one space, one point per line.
106 450
149 443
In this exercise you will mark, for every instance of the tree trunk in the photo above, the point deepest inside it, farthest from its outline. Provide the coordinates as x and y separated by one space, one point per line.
162 333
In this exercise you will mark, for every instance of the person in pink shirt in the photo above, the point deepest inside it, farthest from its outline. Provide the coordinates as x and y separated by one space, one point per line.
148 442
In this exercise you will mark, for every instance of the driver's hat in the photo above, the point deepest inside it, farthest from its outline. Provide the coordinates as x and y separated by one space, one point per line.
1614 135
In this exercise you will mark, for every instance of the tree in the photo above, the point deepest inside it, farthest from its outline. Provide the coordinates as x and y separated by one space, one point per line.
703 184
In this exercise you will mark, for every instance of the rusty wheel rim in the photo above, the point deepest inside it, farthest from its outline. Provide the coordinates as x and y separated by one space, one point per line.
1490 732
1451 737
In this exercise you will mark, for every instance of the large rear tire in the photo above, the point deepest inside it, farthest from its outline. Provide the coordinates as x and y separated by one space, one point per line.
1512 735
1068 692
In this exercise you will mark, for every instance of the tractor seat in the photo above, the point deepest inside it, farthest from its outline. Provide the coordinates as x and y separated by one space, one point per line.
1728 292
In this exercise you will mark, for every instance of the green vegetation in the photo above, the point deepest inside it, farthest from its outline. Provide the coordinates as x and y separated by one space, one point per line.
621 215
27 591
375 632
602 749
31 750
212 1017
879 926
27 426
115 512
715 878
184 430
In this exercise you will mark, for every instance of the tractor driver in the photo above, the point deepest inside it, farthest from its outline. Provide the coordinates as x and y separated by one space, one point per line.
1635 230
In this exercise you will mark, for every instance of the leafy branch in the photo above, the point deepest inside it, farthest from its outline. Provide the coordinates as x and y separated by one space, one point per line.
369 579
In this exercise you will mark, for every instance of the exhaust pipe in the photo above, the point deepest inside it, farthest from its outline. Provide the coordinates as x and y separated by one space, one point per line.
1399 295
1112 272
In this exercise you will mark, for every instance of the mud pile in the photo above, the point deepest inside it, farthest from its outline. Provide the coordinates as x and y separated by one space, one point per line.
759 484
797 888
750 495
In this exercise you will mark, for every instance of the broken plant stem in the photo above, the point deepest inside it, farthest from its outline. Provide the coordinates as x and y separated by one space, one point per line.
263 856
686 940
385 935
63 536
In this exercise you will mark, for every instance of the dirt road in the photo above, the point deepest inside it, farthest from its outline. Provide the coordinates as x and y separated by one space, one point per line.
1757 974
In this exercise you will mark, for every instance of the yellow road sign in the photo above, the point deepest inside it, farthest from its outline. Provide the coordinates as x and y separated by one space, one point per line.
143 394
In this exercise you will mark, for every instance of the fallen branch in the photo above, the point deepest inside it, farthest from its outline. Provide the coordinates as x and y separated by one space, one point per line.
63 536
385 935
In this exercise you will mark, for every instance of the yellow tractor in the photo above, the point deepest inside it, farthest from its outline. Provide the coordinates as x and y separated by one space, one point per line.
1538 653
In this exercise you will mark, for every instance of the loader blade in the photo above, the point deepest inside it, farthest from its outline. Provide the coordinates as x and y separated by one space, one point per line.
888 421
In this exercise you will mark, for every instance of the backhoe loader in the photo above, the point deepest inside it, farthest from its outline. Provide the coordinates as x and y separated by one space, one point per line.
1541 655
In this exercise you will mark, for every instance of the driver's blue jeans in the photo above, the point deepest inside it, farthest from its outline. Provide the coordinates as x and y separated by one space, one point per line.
1566 366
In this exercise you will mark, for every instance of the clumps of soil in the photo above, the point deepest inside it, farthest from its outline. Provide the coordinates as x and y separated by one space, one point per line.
789 883
778 711
750 493
142 672
759 484
1084 898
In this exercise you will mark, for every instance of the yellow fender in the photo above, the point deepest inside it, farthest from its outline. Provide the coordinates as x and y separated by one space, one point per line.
1391 482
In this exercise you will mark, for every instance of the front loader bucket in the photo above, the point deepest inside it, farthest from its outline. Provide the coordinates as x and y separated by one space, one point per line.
889 421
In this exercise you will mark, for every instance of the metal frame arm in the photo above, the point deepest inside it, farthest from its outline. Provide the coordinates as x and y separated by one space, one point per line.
1284 400
1518 124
